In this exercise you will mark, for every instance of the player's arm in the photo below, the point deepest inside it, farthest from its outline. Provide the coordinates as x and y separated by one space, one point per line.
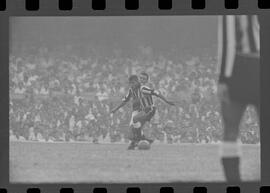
159 95
123 103
146 90
118 107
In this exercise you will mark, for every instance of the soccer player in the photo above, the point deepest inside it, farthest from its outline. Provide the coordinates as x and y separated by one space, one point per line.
134 93
143 108
147 104
239 48
148 93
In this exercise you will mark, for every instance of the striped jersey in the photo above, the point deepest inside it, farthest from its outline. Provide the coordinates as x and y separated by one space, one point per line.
237 35
147 96
135 95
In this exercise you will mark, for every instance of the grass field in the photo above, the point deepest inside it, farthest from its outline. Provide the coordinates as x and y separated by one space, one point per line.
83 162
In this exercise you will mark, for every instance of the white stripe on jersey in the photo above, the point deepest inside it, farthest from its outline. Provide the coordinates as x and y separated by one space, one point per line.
220 41
231 45
243 20
237 35
256 31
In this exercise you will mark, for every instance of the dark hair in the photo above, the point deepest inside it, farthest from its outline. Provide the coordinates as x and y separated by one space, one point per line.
133 78
145 74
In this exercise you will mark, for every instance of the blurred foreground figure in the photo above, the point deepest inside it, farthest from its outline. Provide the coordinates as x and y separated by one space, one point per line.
239 83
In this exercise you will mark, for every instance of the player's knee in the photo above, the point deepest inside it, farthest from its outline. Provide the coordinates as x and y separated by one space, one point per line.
137 125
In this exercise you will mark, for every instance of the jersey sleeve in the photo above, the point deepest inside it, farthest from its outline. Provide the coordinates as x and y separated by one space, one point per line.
147 90
226 46
127 97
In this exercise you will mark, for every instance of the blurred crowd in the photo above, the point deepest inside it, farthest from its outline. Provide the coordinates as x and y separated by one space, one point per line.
64 97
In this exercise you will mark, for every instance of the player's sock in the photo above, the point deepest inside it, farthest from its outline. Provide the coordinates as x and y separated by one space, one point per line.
230 159
132 145
231 168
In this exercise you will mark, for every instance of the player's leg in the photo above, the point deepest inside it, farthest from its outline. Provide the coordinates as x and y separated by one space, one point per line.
242 89
149 115
141 119
230 149
138 126
137 136
144 137
132 139
134 136
133 132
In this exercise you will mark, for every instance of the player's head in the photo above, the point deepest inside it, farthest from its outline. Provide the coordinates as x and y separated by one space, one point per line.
133 81
144 77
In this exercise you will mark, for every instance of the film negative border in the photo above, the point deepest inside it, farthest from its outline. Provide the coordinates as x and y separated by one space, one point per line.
65 5
144 189
70 5
174 7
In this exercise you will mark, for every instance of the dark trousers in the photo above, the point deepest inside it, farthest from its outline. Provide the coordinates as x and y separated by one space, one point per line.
243 90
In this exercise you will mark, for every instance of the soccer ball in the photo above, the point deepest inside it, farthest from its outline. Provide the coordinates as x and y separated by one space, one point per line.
144 145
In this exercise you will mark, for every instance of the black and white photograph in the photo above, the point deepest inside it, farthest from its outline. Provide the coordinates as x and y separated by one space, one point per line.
134 99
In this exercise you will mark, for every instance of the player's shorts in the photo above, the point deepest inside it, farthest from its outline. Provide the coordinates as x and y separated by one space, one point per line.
244 84
149 113
145 115
140 118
